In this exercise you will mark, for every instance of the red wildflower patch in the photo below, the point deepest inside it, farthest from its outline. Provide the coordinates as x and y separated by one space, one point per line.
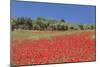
65 48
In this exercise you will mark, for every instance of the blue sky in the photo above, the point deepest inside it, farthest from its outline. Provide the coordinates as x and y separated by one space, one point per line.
68 12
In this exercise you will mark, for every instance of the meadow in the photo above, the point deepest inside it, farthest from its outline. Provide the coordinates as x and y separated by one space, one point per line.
46 47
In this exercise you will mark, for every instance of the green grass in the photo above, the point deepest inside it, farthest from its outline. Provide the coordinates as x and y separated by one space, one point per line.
20 34
28 35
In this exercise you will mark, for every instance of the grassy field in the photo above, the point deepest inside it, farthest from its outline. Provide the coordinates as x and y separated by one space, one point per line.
46 47
20 34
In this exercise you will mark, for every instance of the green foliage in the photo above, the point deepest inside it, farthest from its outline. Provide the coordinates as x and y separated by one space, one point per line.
41 23
21 23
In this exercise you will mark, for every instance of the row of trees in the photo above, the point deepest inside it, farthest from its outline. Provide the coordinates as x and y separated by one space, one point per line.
41 23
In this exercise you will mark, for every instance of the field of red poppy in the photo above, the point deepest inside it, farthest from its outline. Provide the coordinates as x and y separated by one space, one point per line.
47 47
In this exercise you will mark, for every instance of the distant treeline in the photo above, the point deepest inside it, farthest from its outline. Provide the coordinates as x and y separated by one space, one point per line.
43 24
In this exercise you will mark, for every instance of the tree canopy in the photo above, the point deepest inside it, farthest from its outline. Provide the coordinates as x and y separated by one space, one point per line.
41 23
